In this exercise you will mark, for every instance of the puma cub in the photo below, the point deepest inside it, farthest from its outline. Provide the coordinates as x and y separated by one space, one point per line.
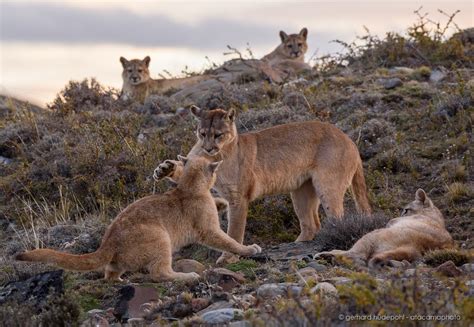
138 85
290 53
147 232
420 229
313 161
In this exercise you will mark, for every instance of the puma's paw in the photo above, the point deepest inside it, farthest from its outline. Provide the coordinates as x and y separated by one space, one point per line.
164 169
253 249
328 256
226 258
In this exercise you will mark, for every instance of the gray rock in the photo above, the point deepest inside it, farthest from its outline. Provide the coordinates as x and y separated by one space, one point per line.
309 273
339 280
241 323
409 272
390 83
268 291
216 306
5 161
221 316
325 289
182 111
438 75
403 70
317 266
468 267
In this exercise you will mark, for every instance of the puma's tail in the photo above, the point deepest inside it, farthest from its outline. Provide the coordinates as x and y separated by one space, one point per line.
359 190
84 262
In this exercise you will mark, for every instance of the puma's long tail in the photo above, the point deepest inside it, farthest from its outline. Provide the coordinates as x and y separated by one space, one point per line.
84 262
359 190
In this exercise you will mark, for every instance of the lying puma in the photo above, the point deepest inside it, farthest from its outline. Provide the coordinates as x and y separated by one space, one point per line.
314 161
420 229
290 53
138 85
146 233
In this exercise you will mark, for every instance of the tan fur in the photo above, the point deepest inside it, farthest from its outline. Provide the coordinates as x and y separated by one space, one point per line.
290 53
138 85
405 238
146 233
313 161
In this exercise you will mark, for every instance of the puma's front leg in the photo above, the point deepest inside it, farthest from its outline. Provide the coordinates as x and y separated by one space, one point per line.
217 239
236 227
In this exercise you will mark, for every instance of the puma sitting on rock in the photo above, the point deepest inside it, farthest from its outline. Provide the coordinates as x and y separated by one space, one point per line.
148 231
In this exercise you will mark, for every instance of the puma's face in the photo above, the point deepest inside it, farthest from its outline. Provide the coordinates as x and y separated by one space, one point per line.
135 71
216 128
422 202
202 169
294 45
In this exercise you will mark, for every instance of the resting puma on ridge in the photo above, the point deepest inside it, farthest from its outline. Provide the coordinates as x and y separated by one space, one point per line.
145 234
315 162
138 85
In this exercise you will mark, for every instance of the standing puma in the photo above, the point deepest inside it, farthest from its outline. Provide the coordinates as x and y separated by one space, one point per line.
138 85
405 238
314 161
146 233
290 53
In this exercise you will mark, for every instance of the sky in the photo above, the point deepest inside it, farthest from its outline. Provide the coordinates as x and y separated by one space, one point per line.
44 44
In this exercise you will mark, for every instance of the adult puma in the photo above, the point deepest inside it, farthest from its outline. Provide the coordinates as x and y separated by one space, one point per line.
420 229
315 162
138 85
146 233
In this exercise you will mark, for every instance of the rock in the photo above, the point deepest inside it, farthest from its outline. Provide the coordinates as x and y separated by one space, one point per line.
268 291
135 301
225 278
468 267
182 111
339 280
390 83
34 290
409 272
309 273
5 161
189 265
326 289
240 323
163 120
221 316
448 269
317 266
216 306
438 75
399 264
403 70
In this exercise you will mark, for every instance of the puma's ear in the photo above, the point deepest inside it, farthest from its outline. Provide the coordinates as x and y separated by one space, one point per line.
146 60
124 62
230 114
213 166
283 36
304 32
182 159
420 195
196 111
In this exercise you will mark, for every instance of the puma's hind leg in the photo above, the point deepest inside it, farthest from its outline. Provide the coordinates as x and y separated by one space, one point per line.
306 205
401 253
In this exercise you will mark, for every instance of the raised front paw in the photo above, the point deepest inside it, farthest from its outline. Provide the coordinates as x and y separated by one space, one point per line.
164 169
253 249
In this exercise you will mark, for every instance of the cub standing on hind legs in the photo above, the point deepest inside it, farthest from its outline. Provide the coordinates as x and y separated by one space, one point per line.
147 232
420 229
314 161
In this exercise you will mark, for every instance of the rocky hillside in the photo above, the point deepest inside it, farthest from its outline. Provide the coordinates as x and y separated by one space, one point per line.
68 169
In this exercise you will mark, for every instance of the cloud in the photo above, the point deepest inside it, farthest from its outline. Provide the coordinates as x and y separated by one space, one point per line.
47 22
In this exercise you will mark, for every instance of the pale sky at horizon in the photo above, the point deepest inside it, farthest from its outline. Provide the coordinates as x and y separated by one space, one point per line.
46 44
